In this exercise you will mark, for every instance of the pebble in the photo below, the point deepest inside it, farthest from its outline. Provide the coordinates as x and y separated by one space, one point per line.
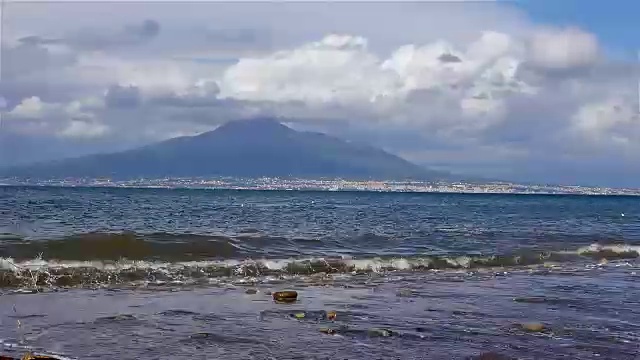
285 296
533 327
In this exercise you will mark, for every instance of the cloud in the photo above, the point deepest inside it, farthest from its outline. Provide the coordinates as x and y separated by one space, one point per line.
336 68
610 123
562 49
31 108
122 96
28 59
237 37
83 129
79 62
91 39
340 69
448 58
75 119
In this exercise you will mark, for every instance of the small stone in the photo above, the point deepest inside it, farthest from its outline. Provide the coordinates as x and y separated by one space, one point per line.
533 327
285 296
251 291
299 315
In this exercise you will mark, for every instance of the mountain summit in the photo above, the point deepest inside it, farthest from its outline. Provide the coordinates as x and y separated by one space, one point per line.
243 148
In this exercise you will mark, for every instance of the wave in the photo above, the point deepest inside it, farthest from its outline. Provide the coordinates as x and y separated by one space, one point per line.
252 243
155 246
64 273
621 251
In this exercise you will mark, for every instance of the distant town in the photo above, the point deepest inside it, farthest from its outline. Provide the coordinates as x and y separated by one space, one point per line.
327 185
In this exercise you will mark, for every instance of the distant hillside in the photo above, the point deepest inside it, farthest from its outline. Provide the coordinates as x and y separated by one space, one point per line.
243 148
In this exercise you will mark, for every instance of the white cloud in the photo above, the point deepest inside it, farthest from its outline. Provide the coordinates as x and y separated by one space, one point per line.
341 70
31 108
35 109
337 68
613 122
77 118
559 49
152 77
83 129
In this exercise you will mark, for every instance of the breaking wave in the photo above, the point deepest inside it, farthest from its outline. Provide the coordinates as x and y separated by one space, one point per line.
68 273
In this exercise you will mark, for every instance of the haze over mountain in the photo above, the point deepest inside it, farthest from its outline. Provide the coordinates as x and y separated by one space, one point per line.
243 148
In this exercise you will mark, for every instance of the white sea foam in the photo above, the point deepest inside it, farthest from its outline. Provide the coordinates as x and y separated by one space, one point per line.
341 264
618 249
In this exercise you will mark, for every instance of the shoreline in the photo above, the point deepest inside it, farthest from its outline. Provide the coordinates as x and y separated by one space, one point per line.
612 193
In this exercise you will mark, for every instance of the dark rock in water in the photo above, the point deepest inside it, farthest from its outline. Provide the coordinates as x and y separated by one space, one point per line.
251 291
285 296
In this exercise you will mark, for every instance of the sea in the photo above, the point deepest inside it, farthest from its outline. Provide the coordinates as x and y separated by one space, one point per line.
121 273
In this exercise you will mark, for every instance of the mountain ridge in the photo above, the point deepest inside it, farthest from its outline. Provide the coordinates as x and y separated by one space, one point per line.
242 148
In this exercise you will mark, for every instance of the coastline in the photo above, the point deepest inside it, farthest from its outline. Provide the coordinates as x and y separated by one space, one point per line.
335 185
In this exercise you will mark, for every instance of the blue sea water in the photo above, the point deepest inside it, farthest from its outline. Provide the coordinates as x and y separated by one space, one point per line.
164 273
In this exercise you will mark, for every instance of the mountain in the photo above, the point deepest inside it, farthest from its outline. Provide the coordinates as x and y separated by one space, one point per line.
242 148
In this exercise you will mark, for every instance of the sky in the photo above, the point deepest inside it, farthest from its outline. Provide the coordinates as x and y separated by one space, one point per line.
536 91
